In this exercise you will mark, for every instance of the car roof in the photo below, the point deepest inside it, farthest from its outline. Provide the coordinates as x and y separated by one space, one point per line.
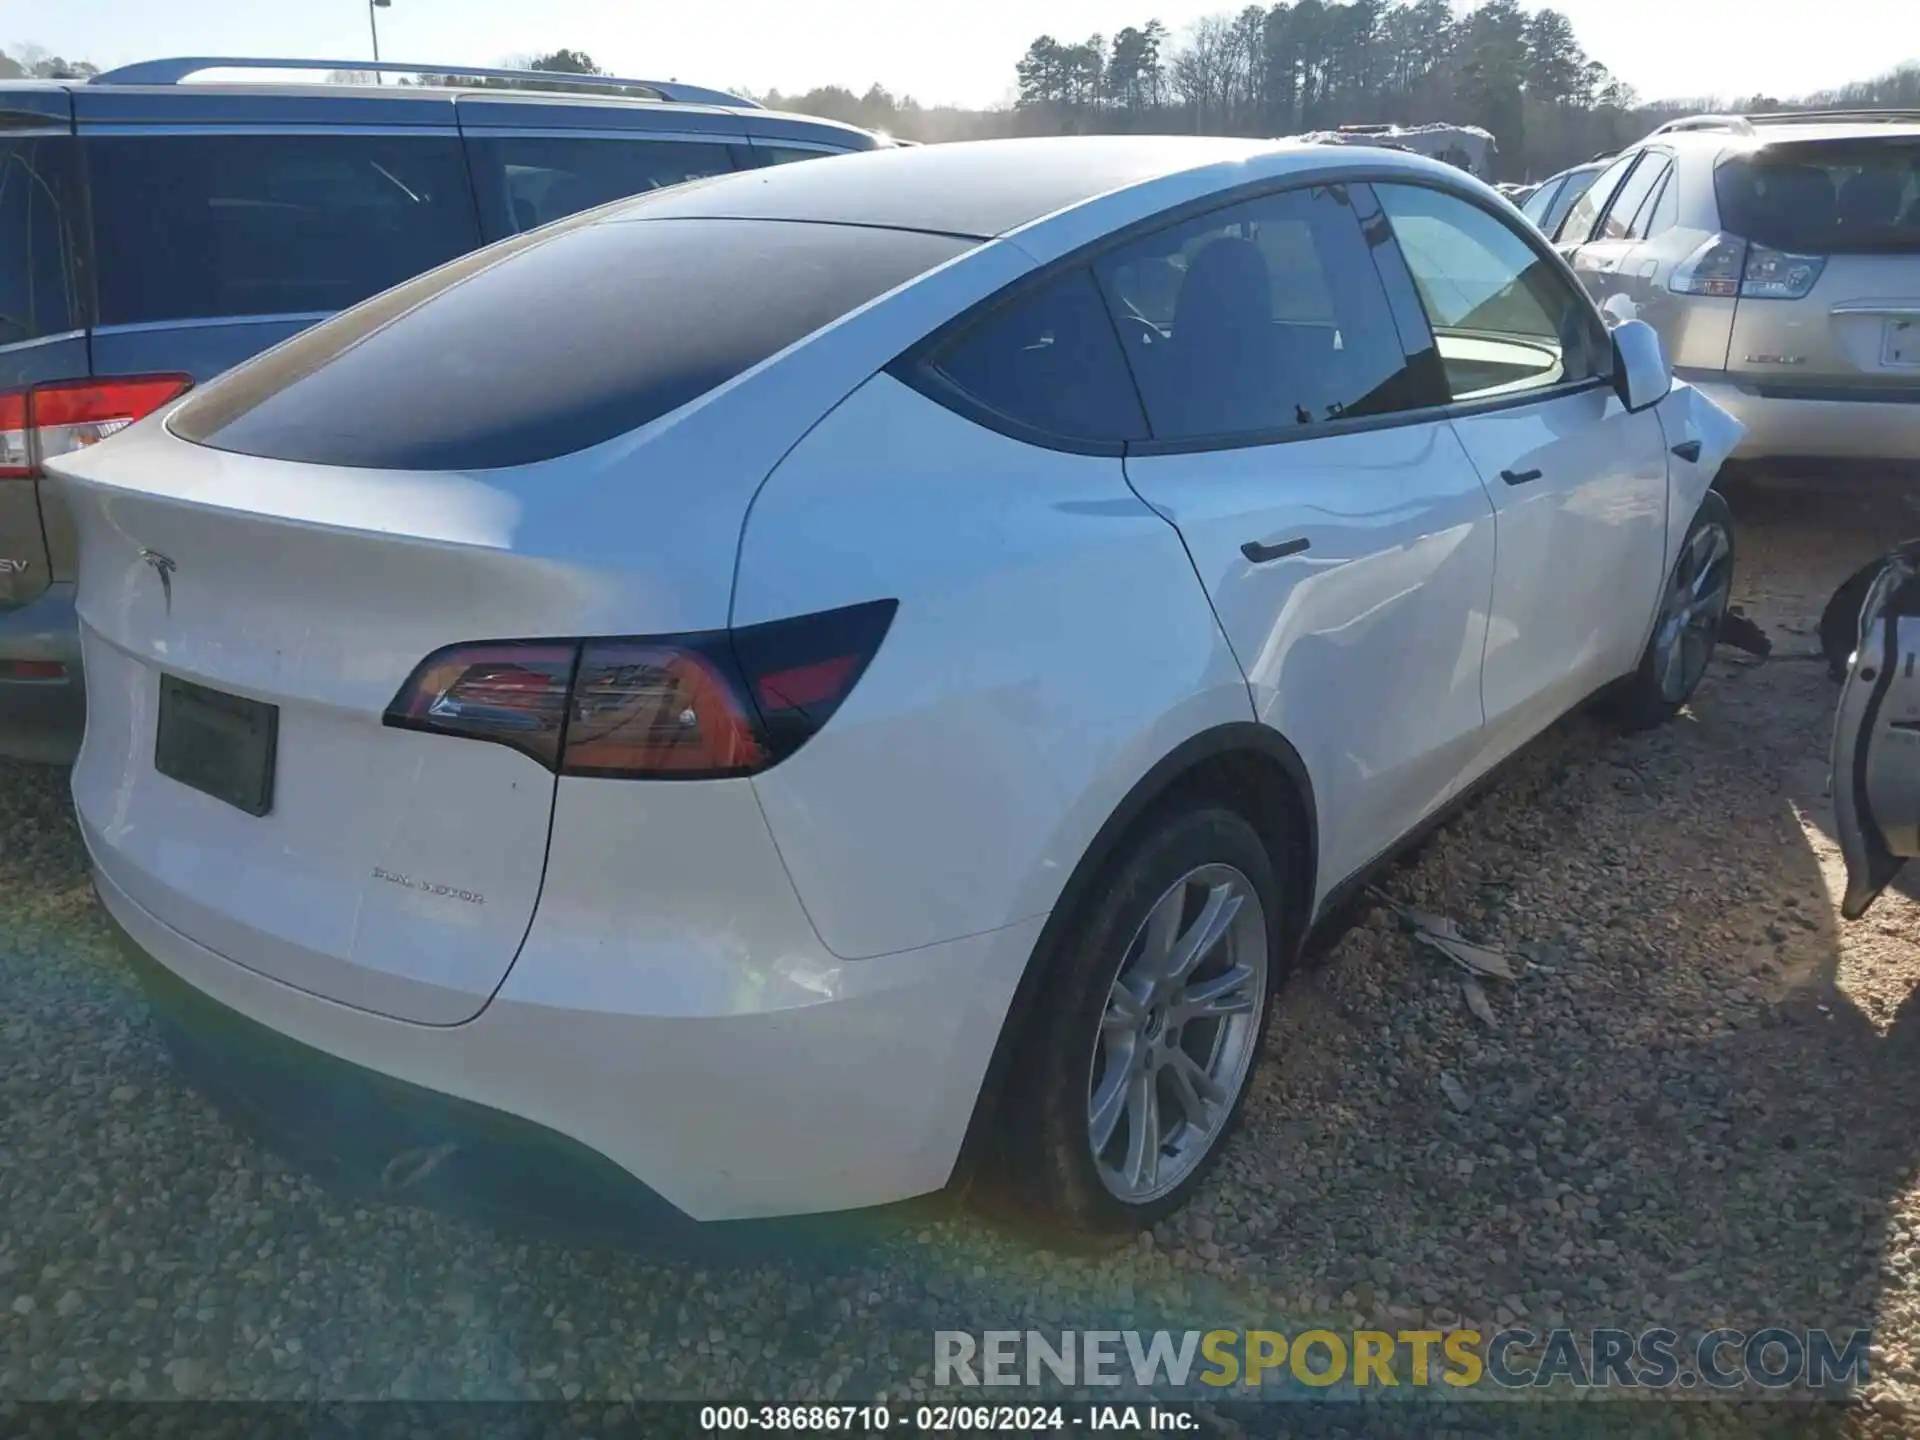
978 188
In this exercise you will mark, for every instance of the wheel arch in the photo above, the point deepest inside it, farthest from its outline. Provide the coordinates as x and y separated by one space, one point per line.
1249 766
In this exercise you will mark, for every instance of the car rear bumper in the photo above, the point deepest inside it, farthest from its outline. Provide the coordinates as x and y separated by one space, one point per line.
42 719
1786 423
574 1113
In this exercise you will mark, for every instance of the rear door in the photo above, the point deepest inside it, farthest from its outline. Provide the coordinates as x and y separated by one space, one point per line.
536 160
42 318
1328 506
1580 485
1606 262
1583 215
1876 738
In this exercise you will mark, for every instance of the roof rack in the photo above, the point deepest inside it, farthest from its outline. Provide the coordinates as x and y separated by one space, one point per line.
1888 114
1735 124
173 71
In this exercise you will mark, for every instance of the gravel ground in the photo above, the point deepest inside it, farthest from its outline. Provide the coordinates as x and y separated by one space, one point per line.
1696 1108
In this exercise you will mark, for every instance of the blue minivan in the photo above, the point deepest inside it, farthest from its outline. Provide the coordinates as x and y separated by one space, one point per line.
154 232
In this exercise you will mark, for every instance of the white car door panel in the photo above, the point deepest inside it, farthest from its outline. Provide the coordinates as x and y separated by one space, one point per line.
1578 484
1580 490
1875 776
1350 568
1363 646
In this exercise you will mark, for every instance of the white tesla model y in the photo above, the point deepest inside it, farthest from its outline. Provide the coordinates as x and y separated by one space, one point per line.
781 681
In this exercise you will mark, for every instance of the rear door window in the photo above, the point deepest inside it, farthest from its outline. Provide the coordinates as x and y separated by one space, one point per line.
1537 203
191 227
38 209
1049 361
527 180
1578 224
552 342
1258 319
1637 192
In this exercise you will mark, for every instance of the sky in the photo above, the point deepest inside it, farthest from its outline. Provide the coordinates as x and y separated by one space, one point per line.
960 53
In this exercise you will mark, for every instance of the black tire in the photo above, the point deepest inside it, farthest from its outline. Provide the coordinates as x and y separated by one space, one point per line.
1045 1121
1840 621
1640 703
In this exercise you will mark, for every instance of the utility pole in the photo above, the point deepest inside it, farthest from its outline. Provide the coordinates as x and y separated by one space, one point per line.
373 24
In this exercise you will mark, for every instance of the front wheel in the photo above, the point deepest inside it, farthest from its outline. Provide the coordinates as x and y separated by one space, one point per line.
1692 605
1138 1058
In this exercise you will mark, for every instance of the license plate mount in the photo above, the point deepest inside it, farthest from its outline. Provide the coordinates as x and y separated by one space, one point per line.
219 744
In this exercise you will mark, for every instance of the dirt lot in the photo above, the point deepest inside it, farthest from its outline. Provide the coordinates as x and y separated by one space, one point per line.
1698 1107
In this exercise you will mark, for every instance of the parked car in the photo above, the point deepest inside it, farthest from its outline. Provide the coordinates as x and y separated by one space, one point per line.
1779 258
1547 204
803 677
153 233
1875 778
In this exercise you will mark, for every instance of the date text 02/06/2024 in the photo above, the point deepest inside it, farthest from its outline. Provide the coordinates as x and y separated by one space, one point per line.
947 1419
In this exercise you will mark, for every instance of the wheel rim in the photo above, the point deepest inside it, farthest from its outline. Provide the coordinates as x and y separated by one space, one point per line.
1178 1034
1691 611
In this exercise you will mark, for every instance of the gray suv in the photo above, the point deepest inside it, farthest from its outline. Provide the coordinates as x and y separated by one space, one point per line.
154 233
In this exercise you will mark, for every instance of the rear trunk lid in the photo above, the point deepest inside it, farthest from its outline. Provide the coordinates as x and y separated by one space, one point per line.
554 438
391 870
1835 226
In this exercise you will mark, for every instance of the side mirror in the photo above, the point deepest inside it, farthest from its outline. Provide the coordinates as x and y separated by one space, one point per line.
1640 374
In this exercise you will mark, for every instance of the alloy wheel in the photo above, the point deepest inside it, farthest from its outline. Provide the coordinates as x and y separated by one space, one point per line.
1178 1035
1691 611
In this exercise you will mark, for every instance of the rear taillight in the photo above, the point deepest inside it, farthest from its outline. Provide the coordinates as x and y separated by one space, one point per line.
673 707
1731 268
48 420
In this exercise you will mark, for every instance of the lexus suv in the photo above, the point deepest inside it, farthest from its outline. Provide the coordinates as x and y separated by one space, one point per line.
810 680
154 232
1779 258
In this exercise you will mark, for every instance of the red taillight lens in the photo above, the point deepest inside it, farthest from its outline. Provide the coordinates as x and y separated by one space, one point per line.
512 693
677 707
58 419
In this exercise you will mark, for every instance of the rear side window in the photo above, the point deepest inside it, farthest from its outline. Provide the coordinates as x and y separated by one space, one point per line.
1049 360
1638 190
527 180
38 206
1834 197
1577 225
1570 193
191 227
546 345
1257 319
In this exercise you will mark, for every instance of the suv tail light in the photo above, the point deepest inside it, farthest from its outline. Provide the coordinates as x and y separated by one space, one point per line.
58 419
1733 268
672 707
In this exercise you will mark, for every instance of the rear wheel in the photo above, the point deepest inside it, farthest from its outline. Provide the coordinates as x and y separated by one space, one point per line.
1692 606
1137 1060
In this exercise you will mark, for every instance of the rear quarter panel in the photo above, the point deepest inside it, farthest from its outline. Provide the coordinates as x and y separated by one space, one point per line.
1052 644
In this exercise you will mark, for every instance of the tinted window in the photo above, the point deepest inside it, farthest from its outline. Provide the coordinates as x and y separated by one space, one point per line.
1581 215
1825 198
1660 211
545 345
1577 185
786 154
526 180
37 209
200 226
1050 360
1504 316
1536 207
1635 193
1262 317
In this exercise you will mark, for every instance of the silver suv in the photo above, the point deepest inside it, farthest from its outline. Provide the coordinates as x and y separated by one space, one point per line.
1779 258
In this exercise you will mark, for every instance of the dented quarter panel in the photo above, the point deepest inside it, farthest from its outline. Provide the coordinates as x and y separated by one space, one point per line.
1689 417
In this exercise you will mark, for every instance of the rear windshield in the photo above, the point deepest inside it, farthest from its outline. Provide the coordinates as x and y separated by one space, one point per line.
552 342
1845 197
38 210
191 227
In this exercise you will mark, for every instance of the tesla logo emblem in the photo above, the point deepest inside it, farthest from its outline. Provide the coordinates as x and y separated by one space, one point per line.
163 566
